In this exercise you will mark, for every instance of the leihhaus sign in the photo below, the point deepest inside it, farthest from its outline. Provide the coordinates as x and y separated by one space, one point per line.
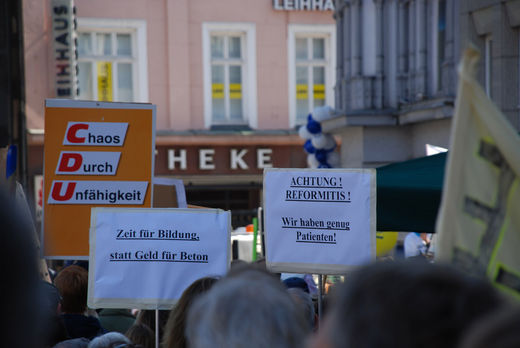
64 47
303 5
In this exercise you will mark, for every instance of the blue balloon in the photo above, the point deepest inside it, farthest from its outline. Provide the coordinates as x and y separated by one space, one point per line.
12 158
321 156
308 147
313 127
309 117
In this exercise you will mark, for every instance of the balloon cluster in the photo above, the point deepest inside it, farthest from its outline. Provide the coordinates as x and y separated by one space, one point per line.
318 145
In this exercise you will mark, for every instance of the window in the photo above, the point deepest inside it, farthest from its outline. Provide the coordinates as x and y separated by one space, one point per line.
310 69
229 74
226 79
112 60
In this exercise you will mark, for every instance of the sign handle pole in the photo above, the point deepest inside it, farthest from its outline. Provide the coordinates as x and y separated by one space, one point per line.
261 229
255 236
156 328
320 299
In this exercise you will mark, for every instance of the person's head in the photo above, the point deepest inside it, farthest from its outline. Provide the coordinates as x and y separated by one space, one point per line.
257 266
497 330
51 298
405 305
174 330
249 309
425 237
147 317
109 340
296 282
20 276
72 283
52 326
305 305
142 335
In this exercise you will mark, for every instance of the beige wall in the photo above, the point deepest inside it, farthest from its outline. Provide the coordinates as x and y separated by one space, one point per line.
174 43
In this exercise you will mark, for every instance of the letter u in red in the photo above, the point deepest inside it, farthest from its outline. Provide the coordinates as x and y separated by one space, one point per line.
57 189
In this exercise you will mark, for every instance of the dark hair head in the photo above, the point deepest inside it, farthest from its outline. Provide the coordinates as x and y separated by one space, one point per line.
142 335
20 275
174 331
498 330
72 283
52 326
147 317
257 266
296 282
407 304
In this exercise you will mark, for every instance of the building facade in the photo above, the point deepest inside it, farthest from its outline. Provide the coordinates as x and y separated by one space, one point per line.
493 26
396 78
231 79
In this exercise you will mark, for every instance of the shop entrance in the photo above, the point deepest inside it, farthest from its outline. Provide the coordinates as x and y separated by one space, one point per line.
242 200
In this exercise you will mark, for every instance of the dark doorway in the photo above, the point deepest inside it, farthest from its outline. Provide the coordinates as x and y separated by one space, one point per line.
242 200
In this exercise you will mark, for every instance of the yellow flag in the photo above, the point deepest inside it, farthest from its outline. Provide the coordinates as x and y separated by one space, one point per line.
478 224
104 77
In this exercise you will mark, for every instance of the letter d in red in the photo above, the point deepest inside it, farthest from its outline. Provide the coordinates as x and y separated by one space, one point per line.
57 189
70 162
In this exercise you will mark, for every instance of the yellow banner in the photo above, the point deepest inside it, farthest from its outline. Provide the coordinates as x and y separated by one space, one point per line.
235 91
104 81
301 91
217 91
478 224
319 91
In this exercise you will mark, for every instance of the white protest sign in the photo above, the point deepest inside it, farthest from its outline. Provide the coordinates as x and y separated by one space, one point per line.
319 220
145 258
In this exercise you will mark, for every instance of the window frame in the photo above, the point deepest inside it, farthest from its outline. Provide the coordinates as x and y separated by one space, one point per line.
137 30
226 63
488 64
247 32
327 32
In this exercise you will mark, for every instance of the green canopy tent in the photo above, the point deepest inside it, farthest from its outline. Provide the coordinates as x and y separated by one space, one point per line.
409 194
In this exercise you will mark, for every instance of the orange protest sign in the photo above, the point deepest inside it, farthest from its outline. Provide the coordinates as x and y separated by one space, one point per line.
96 154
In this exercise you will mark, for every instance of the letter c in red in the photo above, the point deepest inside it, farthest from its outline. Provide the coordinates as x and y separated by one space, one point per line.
71 133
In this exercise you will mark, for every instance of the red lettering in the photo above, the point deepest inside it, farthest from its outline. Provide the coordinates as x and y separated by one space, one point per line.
65 163
56 190
71 134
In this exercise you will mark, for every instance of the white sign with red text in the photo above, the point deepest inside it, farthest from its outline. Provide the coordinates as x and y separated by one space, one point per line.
95 133
88 163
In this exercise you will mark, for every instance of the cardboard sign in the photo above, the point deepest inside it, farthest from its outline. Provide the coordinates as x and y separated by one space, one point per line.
96 154
145 258
169 193
319 221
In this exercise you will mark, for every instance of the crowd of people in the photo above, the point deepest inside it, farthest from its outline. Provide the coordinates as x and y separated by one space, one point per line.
401 304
